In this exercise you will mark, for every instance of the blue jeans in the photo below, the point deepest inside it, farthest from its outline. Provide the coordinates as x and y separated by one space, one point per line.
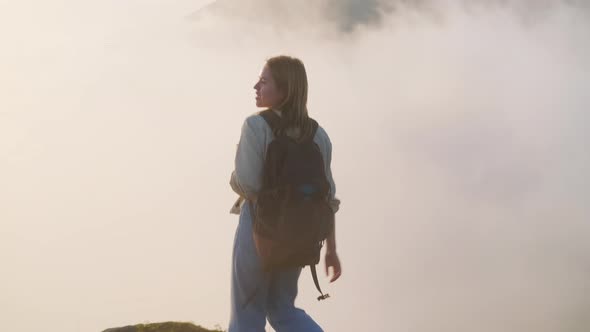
256 295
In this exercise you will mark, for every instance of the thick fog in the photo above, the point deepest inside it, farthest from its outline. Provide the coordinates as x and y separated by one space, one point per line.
459 128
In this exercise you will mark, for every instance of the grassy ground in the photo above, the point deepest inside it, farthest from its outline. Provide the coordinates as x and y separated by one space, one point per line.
162 327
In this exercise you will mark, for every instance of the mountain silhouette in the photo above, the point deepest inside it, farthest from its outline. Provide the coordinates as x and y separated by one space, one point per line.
343 15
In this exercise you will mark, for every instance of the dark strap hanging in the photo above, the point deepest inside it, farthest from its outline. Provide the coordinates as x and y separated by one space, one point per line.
317 284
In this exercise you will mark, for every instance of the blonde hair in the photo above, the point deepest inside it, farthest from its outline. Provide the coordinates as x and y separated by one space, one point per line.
291 79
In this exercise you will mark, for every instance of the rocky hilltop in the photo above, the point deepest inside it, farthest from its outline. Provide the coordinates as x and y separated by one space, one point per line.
162 327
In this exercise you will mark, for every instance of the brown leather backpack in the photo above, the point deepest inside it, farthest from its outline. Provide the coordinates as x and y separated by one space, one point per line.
292 217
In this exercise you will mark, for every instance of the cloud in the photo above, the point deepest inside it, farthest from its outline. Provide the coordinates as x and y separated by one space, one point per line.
459 131
346 16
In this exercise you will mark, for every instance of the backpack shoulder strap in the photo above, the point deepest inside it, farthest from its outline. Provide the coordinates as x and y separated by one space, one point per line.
272 119
314 129
274 122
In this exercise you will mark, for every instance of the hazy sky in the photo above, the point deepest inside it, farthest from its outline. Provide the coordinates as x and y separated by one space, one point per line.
460 133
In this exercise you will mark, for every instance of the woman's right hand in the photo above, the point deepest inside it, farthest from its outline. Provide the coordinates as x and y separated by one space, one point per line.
332 260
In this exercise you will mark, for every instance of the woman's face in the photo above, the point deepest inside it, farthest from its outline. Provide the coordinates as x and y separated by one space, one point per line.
267 93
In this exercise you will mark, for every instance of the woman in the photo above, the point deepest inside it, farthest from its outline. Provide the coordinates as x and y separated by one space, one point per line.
255 295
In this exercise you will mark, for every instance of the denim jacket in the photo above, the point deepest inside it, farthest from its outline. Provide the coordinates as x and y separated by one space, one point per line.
246 179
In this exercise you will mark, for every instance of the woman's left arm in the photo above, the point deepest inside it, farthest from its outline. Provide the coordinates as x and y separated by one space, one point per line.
246 178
